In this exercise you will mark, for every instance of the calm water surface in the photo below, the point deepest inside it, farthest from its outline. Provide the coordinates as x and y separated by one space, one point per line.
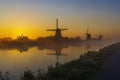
17 60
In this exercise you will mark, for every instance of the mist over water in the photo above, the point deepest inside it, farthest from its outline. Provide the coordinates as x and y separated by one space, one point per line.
16 60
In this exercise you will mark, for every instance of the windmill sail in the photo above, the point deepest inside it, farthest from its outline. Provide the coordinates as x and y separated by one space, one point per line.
58 34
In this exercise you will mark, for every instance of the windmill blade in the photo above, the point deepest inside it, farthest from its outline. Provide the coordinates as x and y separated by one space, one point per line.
57 54
64 29
57 23
51 54
51 29
64 54
54 54
88 30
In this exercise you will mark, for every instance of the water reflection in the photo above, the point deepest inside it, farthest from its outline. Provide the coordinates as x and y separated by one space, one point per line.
88 46
16 58
58 53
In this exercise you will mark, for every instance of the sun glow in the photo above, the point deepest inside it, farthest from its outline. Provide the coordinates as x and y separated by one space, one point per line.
32 20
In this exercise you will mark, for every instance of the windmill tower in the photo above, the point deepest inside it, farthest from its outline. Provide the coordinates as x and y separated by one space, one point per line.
100 37
58 34
88 35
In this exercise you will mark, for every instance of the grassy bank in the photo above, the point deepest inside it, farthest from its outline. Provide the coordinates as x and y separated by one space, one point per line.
87 67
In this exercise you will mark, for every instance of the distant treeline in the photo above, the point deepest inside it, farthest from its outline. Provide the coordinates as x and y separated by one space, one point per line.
25 41
87 67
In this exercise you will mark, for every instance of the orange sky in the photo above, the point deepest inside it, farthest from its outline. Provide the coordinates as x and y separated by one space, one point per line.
33 18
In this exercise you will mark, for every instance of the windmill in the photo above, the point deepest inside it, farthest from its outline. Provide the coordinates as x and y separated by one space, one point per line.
100 37
58 34
88 35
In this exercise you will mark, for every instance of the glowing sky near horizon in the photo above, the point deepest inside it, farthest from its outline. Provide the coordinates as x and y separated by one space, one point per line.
33 17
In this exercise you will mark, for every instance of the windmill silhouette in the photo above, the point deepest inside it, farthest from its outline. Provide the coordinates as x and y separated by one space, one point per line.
100 37
88 35
58 34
